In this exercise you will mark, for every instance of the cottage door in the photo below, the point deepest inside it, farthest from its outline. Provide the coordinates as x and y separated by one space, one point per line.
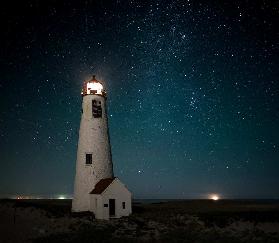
111 207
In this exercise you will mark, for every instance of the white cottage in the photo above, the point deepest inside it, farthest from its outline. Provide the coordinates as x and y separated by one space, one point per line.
110 199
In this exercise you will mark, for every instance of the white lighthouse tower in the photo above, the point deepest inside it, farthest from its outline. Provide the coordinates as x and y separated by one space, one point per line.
96 189
94 154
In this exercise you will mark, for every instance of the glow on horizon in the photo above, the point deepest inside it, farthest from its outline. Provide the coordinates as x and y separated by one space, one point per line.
214 197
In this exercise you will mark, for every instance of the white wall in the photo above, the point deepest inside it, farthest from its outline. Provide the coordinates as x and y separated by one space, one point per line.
93 138
96 205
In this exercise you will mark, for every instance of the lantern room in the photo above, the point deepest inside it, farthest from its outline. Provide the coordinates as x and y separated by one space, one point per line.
93 86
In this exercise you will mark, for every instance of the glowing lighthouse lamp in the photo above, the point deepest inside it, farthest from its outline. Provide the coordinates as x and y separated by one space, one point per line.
93 87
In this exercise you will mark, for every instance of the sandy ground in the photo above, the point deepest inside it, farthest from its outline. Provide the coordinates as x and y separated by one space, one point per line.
189 221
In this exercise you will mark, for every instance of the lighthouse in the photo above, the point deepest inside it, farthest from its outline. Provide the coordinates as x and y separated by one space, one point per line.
94 153
95 187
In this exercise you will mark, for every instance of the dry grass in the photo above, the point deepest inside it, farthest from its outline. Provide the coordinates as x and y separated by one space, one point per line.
195 221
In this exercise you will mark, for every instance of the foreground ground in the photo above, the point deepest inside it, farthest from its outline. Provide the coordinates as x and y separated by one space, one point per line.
192 221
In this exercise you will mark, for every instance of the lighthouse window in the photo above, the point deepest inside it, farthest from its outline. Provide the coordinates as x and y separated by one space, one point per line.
88 159
123 205
96 109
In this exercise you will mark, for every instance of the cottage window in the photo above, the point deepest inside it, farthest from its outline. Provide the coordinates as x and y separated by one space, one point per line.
123 205
88 159
105 205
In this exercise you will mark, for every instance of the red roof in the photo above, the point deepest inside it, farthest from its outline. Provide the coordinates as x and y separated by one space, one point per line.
102 185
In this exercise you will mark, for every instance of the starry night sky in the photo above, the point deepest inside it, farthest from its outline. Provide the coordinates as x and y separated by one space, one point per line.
193 95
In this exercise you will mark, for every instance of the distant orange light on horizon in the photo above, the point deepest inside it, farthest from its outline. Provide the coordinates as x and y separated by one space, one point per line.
214 197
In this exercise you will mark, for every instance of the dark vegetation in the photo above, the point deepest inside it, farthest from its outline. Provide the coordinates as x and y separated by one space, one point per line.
194 221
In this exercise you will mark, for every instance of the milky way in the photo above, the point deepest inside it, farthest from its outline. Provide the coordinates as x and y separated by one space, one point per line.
193 95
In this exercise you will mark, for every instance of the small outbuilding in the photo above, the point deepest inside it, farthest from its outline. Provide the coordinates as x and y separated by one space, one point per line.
110 199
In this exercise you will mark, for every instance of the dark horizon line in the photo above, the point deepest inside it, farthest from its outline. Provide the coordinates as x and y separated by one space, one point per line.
146 199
